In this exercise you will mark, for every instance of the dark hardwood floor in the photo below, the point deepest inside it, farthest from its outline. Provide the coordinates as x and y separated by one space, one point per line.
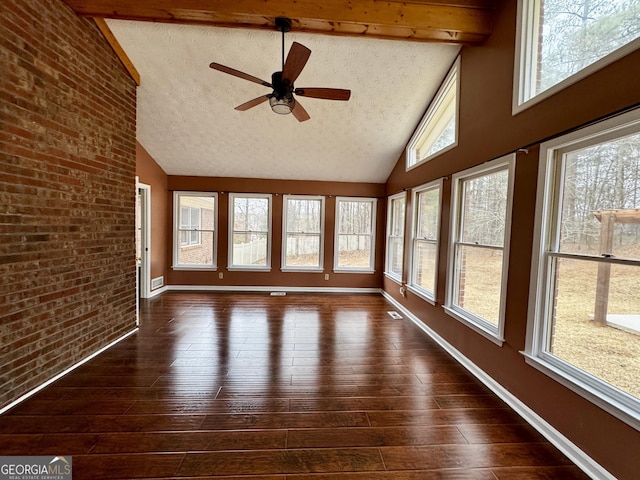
251 386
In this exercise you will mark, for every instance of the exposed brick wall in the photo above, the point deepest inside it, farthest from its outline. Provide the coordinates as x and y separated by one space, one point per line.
67 168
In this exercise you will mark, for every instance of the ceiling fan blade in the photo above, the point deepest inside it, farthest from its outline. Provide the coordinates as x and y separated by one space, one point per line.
324 93
252 103
299 112
296 60
239 74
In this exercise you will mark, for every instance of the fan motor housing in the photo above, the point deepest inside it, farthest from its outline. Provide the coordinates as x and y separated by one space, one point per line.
281 88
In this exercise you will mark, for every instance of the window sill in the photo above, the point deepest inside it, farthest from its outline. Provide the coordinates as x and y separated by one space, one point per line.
422 294
393 278
354 270
409 167
301 270
196 268
475 326
249 269
613 401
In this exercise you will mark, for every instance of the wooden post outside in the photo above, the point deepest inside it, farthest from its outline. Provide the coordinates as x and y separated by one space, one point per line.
607 222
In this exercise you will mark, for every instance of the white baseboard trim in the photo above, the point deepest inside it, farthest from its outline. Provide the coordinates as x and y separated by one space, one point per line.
157 291
60 375
562 443
268 288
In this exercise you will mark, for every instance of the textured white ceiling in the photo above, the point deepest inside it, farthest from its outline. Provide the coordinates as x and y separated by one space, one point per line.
187 121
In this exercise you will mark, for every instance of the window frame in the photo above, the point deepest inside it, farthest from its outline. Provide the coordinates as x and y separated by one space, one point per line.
475 322
336 250
285 233
434 110
623 406
526 54
177 230
390 221
230 265
415 222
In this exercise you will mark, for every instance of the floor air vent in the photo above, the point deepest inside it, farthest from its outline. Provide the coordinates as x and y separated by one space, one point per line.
394 315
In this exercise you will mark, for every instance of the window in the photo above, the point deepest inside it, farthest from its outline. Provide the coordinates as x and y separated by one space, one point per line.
438 130
195 230
355 234
395 236
426 228
303 232
561 41
478 254
249 231
584 305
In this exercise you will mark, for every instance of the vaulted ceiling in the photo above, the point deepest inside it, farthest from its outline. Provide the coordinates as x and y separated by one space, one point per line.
186 116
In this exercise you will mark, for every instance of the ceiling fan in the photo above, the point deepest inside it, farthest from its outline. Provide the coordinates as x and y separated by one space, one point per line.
282 98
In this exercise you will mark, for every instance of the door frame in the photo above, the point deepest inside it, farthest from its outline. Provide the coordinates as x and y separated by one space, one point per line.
143 285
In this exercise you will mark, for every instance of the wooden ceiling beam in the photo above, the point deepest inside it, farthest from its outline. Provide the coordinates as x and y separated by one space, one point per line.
453 21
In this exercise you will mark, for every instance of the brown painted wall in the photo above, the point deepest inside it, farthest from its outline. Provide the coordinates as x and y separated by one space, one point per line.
276 277
150 173
488 130
67 150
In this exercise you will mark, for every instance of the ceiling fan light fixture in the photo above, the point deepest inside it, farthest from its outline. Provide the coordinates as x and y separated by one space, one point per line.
281 106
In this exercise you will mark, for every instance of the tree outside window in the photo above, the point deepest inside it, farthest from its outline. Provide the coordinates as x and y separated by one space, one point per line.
250 232
355 234
303 232
561 38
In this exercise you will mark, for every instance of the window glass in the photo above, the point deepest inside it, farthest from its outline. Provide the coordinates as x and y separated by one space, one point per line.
478 259
395 236
304 219
594 320
355 234
195 232
584 303
250 232
426 204
438 129
564 37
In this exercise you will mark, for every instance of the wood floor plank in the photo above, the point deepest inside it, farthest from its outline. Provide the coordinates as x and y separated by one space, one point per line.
363 404
46 444
203 441
500 433
457 474
304 387
209 405
373 437
111 467
472 416
540 473
286 420
16 424
472 456
282 461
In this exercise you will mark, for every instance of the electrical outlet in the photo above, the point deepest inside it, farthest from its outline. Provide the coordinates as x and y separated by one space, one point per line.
220 275
326 276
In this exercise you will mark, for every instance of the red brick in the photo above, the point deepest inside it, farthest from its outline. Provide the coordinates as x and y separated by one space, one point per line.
67 151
